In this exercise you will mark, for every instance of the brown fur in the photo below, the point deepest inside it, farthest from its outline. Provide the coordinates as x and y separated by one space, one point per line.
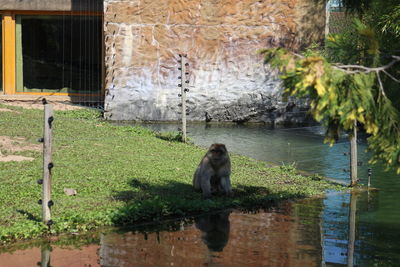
213 173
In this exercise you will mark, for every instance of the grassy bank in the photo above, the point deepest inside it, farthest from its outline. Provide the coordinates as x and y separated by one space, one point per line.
122 175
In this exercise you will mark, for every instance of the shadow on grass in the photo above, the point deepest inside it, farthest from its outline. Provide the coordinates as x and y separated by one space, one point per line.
147 202
142 190
29 216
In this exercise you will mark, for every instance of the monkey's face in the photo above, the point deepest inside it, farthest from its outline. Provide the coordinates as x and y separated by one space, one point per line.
217 152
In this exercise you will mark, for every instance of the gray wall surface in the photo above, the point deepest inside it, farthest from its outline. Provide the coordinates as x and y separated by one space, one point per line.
228 81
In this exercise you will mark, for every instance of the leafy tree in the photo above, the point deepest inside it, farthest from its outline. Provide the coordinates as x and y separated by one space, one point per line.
354 78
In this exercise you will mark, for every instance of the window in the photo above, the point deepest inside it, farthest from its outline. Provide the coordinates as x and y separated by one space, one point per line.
58 54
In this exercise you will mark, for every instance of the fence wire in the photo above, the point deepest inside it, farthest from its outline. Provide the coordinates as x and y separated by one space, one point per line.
61 143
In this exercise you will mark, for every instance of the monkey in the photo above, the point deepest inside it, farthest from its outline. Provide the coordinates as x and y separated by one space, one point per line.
213 173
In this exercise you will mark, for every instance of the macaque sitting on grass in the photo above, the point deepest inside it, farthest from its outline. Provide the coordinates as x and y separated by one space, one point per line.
213 173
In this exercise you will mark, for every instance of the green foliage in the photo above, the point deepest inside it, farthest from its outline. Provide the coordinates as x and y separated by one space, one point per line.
81 114
340 47
357 44
356 5
342 95
390 22
337 99
170 136
382 16
289 168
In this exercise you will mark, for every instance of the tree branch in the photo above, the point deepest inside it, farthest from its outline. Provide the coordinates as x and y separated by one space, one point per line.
364 69
391 76
380 84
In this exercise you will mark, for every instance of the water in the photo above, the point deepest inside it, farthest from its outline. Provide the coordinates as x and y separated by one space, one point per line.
302 146
359 229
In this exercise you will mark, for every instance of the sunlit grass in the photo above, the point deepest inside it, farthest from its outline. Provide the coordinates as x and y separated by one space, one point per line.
122 175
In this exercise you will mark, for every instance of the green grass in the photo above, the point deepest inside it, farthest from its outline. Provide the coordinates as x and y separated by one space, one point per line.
123 175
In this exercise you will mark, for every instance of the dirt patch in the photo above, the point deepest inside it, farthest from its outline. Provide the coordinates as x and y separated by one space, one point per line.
8 110
14 158
39 105
17 144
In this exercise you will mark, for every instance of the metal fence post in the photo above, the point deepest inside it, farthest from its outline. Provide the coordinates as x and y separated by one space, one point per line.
184 82
47 162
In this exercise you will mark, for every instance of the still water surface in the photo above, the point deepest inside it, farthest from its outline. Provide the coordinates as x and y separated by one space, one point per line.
341 229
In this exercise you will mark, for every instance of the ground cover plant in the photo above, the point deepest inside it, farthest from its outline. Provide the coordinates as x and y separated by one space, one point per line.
122 175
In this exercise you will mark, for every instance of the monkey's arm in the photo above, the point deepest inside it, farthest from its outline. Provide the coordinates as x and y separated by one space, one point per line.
225 181
225 184
202 177
196 179
205 182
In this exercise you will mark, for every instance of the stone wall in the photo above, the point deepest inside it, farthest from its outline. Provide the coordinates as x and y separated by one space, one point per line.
228 81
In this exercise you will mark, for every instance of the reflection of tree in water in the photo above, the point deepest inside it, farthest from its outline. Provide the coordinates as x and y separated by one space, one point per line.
215 229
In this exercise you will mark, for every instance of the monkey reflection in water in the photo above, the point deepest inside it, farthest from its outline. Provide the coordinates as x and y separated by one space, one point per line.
215 229
213 173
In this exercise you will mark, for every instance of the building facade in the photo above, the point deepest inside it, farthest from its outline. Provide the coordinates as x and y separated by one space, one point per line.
52 48
126 53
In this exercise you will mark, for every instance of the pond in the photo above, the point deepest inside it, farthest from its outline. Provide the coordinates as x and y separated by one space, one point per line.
361 229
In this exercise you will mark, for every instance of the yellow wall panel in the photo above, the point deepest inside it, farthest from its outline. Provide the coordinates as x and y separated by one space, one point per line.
8 54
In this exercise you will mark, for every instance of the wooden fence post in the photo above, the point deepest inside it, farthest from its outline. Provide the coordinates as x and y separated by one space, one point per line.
47 163
183 83
353 155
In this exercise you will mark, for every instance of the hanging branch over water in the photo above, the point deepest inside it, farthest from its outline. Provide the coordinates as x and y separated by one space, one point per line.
353 69
341 94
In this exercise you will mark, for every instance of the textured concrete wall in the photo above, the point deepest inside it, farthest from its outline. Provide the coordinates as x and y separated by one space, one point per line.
52 5
228 81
